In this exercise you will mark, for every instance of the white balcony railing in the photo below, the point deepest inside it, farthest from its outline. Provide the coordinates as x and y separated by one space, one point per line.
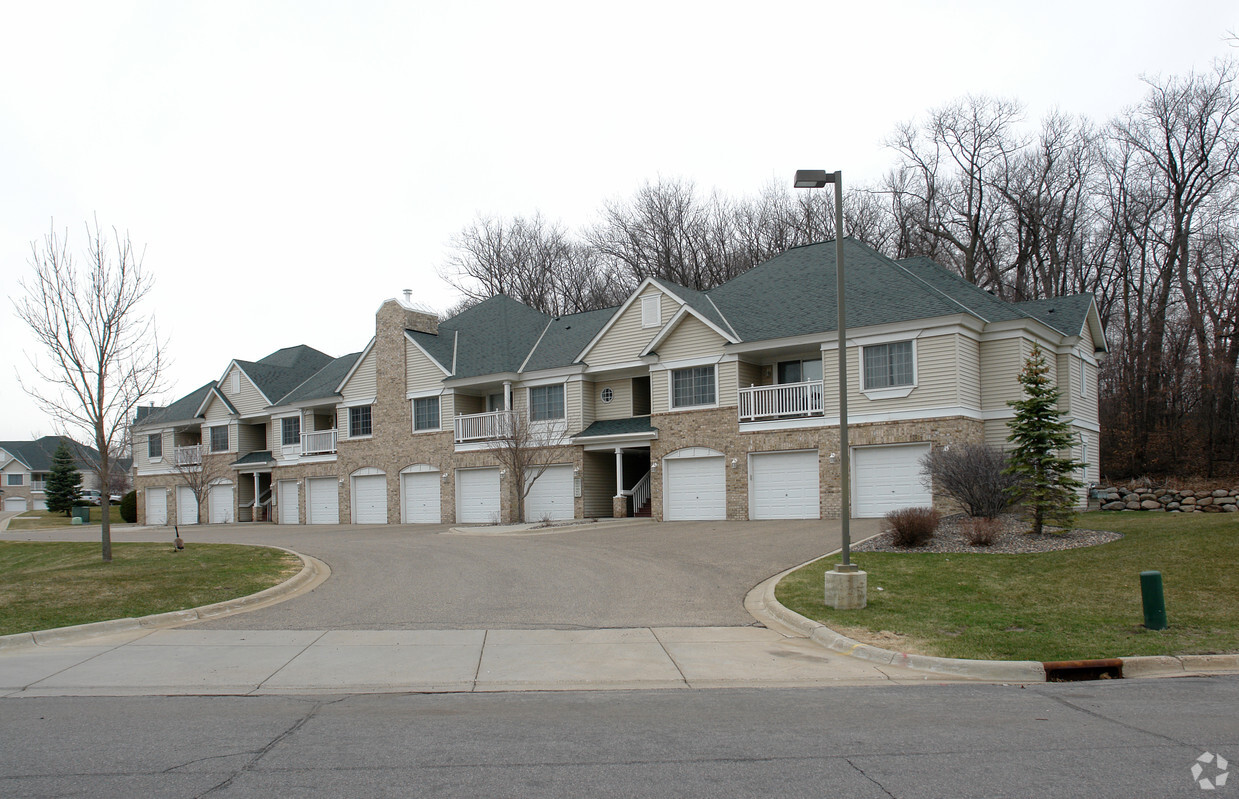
38 485
781 401
187 456
318 442
482 426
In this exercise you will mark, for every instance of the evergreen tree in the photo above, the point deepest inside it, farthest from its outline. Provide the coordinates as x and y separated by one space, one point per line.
1041 438
61 490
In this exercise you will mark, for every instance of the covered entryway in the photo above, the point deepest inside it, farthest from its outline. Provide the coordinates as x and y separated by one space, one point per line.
369 496
550 496
186 506
694 485
15 503
220 502
289 499
322 500
420 495
888 478
784 485
157 506
477 496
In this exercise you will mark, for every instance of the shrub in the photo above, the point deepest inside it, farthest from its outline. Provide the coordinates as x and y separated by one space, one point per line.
912 527
974 475
129 507
980 531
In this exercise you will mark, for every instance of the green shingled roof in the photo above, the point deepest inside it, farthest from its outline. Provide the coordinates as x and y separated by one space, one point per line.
794 294
618 427
1067 315
37 455
495 336
699 301
283 370
322 384
254 458
183 410
565 337
976 299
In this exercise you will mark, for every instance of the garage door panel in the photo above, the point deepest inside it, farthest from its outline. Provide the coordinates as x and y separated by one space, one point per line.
785 485
550 496
370 499
15 503
421 498
156 506
477 496
695 489
290 500
186 506
220 502
887 479
322 500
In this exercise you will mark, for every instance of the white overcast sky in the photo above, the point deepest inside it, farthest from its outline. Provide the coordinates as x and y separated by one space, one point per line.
289 165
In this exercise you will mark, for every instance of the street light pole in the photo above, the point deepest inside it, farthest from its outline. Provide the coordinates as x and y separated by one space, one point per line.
848 583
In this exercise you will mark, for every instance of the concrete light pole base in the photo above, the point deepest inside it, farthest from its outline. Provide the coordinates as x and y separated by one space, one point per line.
846 590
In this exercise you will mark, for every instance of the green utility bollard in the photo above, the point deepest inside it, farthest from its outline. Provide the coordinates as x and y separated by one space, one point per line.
1154 600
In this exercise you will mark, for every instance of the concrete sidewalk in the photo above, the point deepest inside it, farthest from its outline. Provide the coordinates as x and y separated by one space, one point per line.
190 661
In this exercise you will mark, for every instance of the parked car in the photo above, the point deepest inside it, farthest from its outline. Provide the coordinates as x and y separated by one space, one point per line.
114 499
91 496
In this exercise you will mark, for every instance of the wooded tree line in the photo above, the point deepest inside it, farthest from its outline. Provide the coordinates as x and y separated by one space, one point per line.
1141 210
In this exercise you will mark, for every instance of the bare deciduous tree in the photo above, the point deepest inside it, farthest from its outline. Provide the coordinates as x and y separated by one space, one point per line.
526 449
199 476
103 354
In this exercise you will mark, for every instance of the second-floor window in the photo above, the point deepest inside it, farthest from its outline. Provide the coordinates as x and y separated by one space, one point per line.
888 365
692 386
14 479
359 421
426 413
154 446
546 403
290 431
219 438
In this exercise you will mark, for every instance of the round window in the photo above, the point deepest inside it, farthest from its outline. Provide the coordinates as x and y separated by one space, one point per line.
607 395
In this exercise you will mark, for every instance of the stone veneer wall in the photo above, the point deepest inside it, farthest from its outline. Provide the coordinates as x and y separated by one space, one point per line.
719 430
1219 500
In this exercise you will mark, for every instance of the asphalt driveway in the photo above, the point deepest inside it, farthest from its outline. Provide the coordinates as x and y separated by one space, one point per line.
612 574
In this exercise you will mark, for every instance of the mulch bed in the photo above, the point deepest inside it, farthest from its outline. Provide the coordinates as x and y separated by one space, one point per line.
1013 539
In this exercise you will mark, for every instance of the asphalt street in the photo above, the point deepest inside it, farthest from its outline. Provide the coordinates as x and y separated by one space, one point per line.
1096 740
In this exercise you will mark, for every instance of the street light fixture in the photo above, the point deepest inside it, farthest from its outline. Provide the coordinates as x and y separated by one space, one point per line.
845 584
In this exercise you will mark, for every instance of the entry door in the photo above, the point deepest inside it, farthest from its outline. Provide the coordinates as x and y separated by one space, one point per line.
419 498
290 499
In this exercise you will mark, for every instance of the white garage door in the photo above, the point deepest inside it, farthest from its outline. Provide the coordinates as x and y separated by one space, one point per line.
156 506
220 501
694 489
370 499
550 497
289 499
14 503
477 496
887 479
186 506
784 485
419 498
322 500
40 504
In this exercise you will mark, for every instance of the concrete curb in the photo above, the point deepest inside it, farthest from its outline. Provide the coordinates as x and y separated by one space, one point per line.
313 573
763 606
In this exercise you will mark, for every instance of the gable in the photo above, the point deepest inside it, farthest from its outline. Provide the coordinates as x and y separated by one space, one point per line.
691 338
216 410
363 383
421 372
247 399
626 337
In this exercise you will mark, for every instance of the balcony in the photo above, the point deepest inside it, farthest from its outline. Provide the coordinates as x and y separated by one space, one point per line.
318 442
784 401
187 456
483 426
38 485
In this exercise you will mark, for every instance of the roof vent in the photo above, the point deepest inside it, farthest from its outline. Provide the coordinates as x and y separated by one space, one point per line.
408 296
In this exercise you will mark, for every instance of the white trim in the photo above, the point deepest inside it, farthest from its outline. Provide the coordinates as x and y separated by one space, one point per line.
670 327
483 380
686 363
430 392
693 452
627 366
913 415
367 471
607 443
356 365
423 351
219 382
889 392
419 468
672 407
651 309
413 416
534 348
357 402
543 381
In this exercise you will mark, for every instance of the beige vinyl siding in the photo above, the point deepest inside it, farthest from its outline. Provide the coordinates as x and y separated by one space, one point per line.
692 338
520 401
206 436
660 385
251 438
421 374
1085 408
748 374
996 432
573 407
216 411
620 406
140 450
968 371
624 341
936 378
249 399
598 485
725 384
364 382
589 404
1001 362
467 405
447 409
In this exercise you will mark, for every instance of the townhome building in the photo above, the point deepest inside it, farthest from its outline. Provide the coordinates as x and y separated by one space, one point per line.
677 404
26 465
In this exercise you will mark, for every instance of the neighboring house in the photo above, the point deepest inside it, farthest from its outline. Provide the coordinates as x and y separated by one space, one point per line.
678 404
25 466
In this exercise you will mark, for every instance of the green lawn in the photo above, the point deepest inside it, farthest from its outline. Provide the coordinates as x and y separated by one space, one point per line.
1078 603
45 519
45 585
